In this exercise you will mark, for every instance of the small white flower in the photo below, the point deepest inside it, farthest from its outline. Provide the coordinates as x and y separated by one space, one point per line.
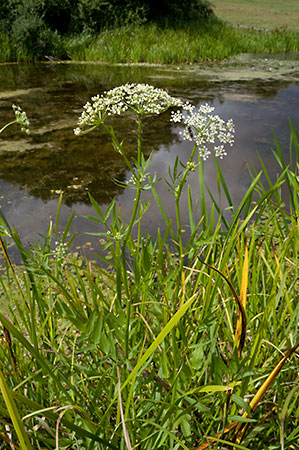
176 116
220 151
60 251
208 131
77 131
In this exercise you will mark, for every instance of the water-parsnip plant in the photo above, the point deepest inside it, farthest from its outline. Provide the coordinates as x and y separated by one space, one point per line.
171 343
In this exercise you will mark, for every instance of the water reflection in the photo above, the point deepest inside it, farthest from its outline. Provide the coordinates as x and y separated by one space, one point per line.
34 170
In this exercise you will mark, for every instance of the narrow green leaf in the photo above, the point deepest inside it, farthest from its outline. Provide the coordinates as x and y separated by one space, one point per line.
95 206
49 414
14 415
241 419
166 330
231 444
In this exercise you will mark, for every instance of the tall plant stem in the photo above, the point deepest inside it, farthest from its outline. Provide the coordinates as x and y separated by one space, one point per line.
130 226
177 205
201 183
7 125
139 144
138 182
179 225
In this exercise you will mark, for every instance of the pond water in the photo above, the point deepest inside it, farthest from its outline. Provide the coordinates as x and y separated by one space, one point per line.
259 93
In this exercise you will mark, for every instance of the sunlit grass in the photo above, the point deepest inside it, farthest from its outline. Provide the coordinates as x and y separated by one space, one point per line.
259 13
188 44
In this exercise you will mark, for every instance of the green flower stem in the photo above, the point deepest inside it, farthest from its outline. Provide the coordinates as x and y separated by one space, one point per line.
138 182
130 226
179 227
177 204
139 144
201 183
7 125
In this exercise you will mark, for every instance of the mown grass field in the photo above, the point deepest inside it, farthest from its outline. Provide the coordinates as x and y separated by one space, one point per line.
259 13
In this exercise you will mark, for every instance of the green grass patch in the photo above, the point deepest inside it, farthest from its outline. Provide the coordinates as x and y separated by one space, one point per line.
189 44
259 13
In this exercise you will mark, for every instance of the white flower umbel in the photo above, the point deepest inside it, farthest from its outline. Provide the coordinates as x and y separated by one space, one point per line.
209 132
140 99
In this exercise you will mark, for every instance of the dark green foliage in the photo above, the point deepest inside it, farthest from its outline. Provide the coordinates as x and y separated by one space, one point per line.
57 15
7 13
96 15
178 10
31 36
34 26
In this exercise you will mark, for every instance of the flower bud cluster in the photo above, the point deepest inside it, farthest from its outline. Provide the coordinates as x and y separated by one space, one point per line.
21 119
141 99
191 166
209 132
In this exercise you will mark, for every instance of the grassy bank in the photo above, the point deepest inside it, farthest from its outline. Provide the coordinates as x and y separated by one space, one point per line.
189 43
192 43
175 344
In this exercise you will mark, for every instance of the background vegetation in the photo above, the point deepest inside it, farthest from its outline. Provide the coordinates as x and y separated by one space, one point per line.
34 27
130 31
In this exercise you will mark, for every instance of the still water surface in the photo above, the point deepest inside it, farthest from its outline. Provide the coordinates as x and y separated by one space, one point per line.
260 94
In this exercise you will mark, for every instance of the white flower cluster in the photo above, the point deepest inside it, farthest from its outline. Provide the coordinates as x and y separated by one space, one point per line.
139 98
21 119
60 251
205 129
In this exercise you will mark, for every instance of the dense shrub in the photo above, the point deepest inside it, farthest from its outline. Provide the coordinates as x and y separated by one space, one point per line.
95 15
177 10
7 13
31 36
76 15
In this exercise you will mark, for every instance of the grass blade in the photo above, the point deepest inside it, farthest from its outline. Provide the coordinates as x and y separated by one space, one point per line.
14 415
166 330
